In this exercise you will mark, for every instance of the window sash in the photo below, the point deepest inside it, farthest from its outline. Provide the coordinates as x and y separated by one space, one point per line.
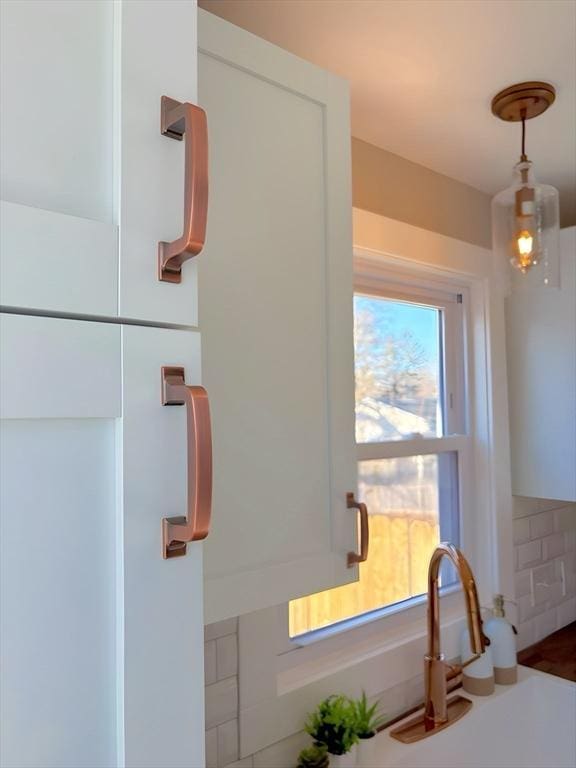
453 454
453 338
392 449
450 303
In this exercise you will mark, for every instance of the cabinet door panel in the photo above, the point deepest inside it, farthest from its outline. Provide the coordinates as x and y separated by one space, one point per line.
57 368
57 106
83 158
60 398
44 253
102 639
58 593
157 57
163 631
276 317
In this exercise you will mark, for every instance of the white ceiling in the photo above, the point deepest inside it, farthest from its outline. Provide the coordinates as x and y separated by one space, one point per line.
423 72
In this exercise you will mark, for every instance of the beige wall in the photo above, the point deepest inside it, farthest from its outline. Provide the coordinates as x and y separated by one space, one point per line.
391 186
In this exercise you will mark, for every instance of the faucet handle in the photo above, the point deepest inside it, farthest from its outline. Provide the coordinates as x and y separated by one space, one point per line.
453 670
470 660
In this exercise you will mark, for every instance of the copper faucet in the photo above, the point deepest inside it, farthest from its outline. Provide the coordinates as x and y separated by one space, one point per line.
439 712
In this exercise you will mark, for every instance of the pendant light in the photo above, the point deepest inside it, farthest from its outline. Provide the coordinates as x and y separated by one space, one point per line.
525 216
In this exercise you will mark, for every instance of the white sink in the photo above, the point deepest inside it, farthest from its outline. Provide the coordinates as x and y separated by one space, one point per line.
528 725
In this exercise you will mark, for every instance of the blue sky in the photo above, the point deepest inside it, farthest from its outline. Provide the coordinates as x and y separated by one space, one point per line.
396 317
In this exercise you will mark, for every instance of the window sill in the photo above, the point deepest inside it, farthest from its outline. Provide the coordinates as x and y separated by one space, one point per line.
379 634
348 625
280 688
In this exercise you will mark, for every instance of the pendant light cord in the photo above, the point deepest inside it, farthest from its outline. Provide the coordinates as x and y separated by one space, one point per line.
523 157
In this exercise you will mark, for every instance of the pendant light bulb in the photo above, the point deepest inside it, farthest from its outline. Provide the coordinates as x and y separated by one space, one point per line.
525 247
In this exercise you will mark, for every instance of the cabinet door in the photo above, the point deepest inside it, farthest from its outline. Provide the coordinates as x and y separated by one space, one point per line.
101 638
541 348
88 183
275 308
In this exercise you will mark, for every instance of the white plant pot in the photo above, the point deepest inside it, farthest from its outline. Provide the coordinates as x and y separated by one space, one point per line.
348 760
367 753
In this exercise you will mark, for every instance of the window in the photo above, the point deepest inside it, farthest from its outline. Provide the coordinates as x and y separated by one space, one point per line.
411 445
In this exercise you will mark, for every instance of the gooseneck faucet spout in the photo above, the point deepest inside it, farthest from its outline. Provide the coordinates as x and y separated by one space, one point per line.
438 711
437 672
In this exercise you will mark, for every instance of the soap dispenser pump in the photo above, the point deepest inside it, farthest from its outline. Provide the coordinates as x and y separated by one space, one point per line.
503 644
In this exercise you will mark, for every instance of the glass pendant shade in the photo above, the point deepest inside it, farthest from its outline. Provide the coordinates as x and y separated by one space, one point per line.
525 230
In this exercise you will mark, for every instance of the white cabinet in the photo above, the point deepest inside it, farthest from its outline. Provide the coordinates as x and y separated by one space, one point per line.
275 309
89 186
541 349
101 638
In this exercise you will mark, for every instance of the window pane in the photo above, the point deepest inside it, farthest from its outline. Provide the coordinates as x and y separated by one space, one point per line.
398 369
412 504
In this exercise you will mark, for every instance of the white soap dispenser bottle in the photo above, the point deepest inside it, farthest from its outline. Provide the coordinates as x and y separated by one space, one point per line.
477 677
503 644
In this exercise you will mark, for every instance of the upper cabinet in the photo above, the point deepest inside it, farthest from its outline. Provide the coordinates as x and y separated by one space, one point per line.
275 309
83 160
541 348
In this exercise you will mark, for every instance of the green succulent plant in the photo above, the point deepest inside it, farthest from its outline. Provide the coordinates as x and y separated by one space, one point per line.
334 724
367 721
315 756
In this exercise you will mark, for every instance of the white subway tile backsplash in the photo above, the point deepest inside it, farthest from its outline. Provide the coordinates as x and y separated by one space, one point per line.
284 753
546 504
414 691
528 611
392 702
565 518
556 594
566 612
220 629
522 582
221 702
545 624
543 578
529 554
569 561
521 530
228 743
541 525
227 656
553 546
212 748
523 507
550 554
526 634
210 662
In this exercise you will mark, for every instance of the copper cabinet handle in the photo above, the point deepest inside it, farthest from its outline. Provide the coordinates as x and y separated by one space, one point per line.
184 120
176 531
354 557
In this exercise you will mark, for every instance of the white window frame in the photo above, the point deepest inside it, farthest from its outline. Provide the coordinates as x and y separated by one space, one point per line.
453 301
280 680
